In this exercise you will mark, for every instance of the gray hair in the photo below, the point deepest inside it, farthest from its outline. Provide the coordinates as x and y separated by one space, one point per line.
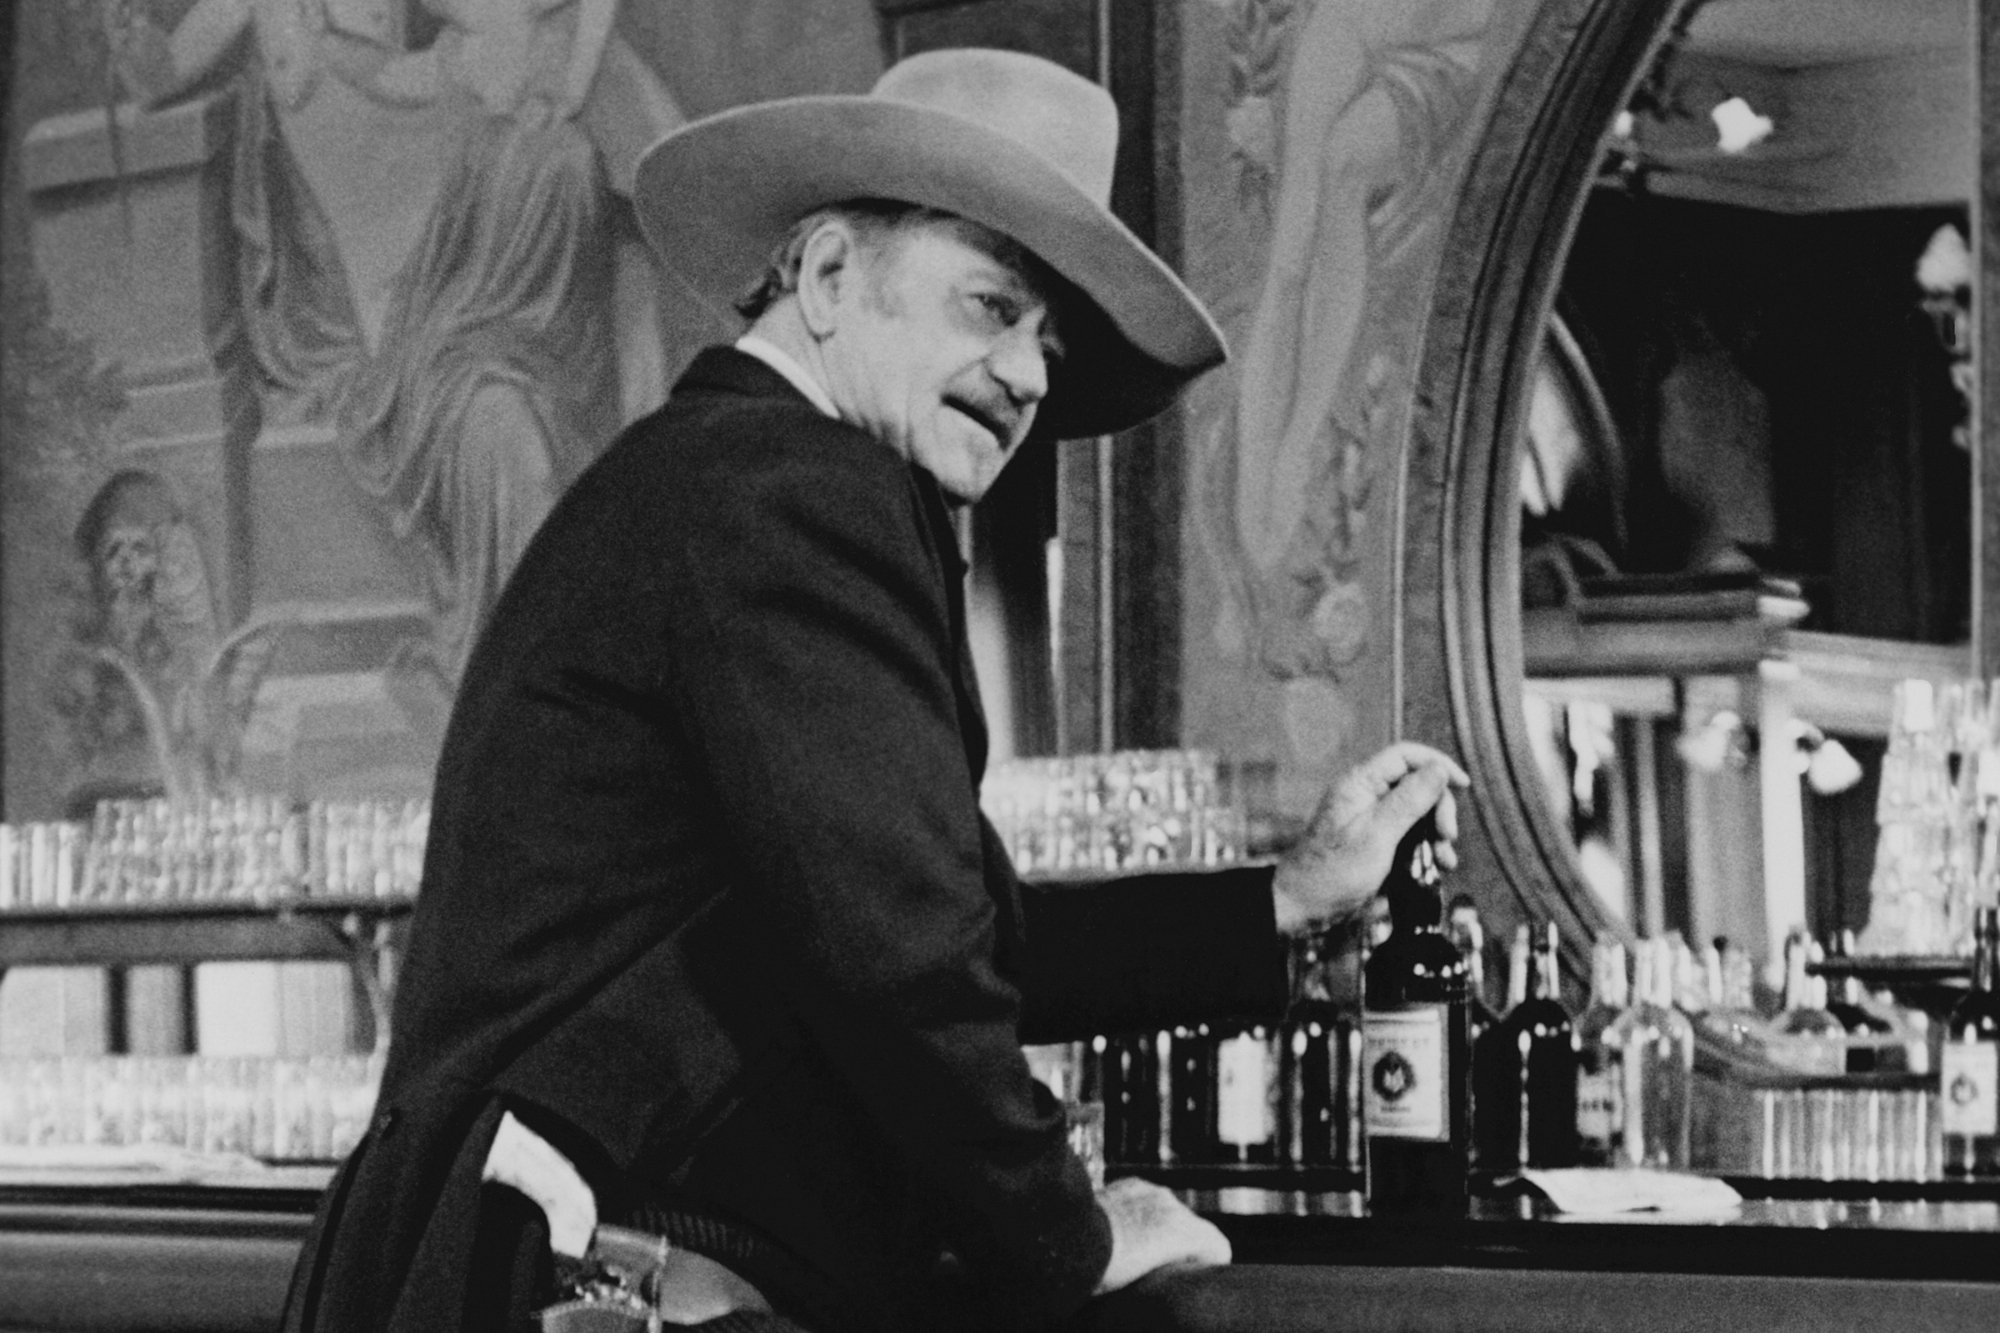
873 221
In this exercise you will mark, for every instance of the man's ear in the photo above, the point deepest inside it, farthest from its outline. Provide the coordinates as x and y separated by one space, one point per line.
826 275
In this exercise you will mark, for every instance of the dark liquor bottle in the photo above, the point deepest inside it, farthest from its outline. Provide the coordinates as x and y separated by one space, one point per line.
1127 1070
1496 1072
1468 932
1312 1058
1416 1048
1190 1058
1524 1069
1546 1042
1969 1071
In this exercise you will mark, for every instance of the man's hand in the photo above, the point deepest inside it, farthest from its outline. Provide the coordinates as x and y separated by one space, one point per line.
1345 854
1152 1229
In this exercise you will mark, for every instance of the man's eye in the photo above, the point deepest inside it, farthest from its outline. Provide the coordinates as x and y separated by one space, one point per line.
997 308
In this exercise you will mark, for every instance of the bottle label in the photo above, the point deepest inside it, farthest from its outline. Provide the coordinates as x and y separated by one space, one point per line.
1597 1110
1243 1085
1403 1073
1969 1089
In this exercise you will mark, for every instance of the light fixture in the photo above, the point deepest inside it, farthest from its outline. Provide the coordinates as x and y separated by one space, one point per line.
1726 741
1738 126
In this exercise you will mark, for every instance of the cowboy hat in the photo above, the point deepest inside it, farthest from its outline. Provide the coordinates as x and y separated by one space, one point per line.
1013 142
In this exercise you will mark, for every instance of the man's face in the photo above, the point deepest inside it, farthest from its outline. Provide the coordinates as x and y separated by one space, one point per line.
943 350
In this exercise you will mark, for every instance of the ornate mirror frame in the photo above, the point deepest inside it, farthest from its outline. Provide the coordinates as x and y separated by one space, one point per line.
1503 258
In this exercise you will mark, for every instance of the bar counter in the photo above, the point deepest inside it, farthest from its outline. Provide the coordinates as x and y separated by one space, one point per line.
100 1254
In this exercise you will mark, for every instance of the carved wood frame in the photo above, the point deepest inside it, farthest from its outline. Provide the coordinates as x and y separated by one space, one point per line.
1503 255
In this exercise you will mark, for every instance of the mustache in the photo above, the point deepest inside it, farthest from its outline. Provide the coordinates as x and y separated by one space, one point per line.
996 412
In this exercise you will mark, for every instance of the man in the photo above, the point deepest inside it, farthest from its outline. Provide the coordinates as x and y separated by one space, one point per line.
710 920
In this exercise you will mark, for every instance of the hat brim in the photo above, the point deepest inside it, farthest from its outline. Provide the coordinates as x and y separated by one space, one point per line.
716 197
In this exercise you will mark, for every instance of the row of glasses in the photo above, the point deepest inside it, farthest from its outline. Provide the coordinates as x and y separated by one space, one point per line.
273 1108
365 849
246 848
1847 1133
39 864
1126 810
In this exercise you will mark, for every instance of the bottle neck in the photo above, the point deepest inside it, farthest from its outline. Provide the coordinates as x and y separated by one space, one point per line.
1608 987
1413 887
1986 950
1798 994
1547 974
1414 905
1517 967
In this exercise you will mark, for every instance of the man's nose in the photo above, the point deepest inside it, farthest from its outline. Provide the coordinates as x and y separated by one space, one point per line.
1021 365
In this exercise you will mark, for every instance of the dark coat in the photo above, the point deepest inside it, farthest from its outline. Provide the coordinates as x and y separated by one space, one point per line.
708 898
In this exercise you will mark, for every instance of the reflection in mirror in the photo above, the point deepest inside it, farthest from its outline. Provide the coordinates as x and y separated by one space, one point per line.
1745 476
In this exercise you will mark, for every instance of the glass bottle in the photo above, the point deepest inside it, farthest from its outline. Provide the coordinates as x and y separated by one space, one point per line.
1189 1057
1658 1042
1496 1072
1815 1042
1246 1087
1468 932
1415 1046
1600 1060
1546 1044
1735 1018
1969 1068
1848 1002
1525 1068
1312 1059
1126 1068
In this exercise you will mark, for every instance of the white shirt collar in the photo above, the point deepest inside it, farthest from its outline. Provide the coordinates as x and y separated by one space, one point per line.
778 359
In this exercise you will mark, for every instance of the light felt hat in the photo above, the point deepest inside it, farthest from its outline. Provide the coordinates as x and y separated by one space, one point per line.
1010 141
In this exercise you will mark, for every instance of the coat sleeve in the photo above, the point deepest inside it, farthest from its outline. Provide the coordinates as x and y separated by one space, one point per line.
815 659
1143 952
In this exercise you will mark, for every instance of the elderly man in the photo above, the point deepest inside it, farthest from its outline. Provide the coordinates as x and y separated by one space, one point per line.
713 945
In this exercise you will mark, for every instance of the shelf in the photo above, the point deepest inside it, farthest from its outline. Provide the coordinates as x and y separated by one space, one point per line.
1931 982
1843 682
198 932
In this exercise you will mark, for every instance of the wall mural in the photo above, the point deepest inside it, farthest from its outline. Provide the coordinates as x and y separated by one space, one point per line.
312 308
1344 124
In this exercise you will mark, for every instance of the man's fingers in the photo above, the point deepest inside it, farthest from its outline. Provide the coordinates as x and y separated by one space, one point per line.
1391 763
1420 791
1447 815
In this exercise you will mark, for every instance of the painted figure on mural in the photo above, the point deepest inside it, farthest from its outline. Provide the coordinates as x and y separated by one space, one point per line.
426 246
155 695
1376 93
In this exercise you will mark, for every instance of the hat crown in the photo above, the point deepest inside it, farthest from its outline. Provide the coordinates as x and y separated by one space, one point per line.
1060 116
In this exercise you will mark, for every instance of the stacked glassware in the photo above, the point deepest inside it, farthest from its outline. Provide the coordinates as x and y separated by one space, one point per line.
1122 811
274 1108
1937 856
249 849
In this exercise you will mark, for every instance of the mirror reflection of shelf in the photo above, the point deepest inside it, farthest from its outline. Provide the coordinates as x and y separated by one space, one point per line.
1841 682
1751 661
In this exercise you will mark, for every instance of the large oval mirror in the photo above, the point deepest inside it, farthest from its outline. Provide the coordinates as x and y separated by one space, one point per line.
1707 420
